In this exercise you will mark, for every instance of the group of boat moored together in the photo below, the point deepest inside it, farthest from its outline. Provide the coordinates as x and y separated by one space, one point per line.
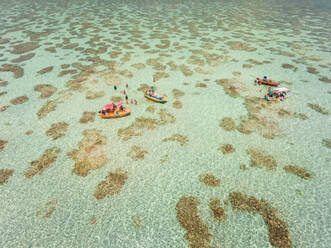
115 111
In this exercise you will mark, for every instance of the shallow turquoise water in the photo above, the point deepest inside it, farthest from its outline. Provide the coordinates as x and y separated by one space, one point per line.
190 40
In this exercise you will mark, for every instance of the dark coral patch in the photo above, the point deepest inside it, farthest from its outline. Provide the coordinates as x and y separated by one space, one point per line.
46 90
17 70
57 130
228 124
45 70
217 211
112 185
326 143
226 148
298 171
45 161
209 180
19 100
137 153
261 160
87 117
279 235
5 175
25 47
23 58
197 232
182 140
318 108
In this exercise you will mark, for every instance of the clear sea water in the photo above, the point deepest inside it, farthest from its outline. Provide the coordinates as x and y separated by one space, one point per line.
57 208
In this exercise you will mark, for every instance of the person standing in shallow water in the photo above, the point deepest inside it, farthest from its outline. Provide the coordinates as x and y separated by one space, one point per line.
115 87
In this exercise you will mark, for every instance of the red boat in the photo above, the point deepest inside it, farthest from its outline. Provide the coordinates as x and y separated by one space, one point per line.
266 82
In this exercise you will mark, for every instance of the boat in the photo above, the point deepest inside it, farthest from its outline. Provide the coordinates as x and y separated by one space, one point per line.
277 94
157 98
267 82
111 111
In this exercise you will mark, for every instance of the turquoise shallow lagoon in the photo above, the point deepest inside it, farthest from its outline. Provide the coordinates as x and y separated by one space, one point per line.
215 166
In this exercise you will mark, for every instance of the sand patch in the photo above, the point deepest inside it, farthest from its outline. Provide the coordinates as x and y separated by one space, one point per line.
46 160
217 211
261 160
182 140
57 130
46 90
198 234
91 153
298 171
5 174
50 106
279 235
112 185
136 153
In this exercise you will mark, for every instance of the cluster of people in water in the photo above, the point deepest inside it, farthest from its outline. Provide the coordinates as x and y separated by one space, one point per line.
151 93
275 95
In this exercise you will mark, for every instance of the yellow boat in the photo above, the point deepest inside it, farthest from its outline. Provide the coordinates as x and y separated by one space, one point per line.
163 100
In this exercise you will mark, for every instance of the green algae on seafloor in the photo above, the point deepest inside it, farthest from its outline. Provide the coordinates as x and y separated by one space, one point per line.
279 235
261 160
217 211
182 140
46 90
298 171
5 175
112 184
57 130
197 232
209 180
91 153
226 149
46 160
318 108
137 153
